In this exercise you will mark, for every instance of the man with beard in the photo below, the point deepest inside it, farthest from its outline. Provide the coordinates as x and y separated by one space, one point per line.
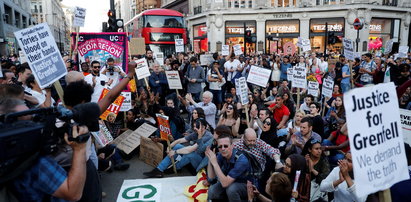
97 81
150 60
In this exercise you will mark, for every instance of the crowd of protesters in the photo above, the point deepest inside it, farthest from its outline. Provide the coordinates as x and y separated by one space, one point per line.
211 129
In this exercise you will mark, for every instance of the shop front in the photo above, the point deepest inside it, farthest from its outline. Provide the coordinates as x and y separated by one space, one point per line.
200 40
234 33
335 37
382 30
279 32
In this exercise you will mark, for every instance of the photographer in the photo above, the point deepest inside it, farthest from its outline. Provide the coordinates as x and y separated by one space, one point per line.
112 72
45 180
97 81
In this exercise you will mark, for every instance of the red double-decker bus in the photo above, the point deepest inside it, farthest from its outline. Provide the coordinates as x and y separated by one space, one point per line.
159 28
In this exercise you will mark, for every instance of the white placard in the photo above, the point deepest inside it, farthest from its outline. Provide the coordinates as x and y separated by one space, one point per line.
126 102
357 55
259 76
142 70
242 89
376 139
403 51
388 46
206 59
306 45
130 140
179 45
225 50
237 49
173 79
160 58
290 74
42 54
79 17
22 57
313 87
299 77
405 116
348 48
328 85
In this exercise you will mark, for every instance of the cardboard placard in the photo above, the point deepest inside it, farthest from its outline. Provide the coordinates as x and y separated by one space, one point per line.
348 48
242 89
42 53
142 69
328 86
259 76
164 126
376 139
151 152
290 74
299 77
225 50
127 102
179 43
137 46
173 79
111 112
313 87
79 17
237 49
130 140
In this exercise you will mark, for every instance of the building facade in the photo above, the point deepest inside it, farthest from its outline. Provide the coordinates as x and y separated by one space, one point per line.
181 6
14 15
213 23
51 11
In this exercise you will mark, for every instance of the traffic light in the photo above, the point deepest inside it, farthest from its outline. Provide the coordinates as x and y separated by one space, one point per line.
111 21
119 25
332 39
248 37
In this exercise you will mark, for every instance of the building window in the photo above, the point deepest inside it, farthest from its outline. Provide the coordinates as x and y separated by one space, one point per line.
234 33
41 9
281 32
335 27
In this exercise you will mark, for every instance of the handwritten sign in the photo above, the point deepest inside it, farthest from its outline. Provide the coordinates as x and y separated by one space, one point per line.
130 140
313 87
173 79
328 85
79 17
349 49
225 50
164 126
237 49
151 152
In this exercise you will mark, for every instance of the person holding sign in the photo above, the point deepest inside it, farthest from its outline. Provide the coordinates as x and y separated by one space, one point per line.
345 82
193 154
209 108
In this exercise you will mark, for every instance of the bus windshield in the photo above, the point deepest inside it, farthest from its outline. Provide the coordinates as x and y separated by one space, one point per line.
163 21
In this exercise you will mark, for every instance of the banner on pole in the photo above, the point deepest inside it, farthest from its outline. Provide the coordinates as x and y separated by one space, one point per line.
376 140
42 54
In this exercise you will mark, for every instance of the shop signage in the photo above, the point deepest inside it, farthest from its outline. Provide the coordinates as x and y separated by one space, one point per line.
358 24
331 28
283 15
375 28
238 30
283 29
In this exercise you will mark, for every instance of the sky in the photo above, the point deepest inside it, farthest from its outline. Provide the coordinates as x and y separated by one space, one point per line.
96 13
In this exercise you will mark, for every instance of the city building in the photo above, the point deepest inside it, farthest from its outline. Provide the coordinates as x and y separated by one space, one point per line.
14 15
181 6
51 11
213 23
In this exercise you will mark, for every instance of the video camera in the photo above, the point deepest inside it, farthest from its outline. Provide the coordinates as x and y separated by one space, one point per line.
111 70
20 139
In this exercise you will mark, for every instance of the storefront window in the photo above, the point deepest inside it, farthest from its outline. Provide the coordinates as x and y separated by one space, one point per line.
234 33
281 31
380 32
200 38
335 27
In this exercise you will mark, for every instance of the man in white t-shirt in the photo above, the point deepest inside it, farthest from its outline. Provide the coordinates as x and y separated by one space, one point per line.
97 81
232 67
113 72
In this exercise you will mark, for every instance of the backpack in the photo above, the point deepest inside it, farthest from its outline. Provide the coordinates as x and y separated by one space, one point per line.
255 172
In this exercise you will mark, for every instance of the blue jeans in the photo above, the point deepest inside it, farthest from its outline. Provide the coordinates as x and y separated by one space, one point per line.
345 87
194 158
233 193
334 156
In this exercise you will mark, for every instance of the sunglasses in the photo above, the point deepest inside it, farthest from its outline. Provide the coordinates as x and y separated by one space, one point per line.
267 122
96 66
225 146
230 107
314 141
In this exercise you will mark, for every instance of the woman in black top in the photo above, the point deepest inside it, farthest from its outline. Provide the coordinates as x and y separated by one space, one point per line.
318 123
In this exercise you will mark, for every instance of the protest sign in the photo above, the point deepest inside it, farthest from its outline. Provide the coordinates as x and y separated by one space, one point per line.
313 87
299 77
196 46
101 46
225 50
403 51
103 136
348 48
376 141
242 89
173 79
300 42
290 74
179 45
405 116
79 17
22 57
111 112
130 140
155 189
137 46
328 86
127 102
237 49
388 46
259 76
164 126
160 58
142 70
206 59
151 152
42 54
306 45
289 48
